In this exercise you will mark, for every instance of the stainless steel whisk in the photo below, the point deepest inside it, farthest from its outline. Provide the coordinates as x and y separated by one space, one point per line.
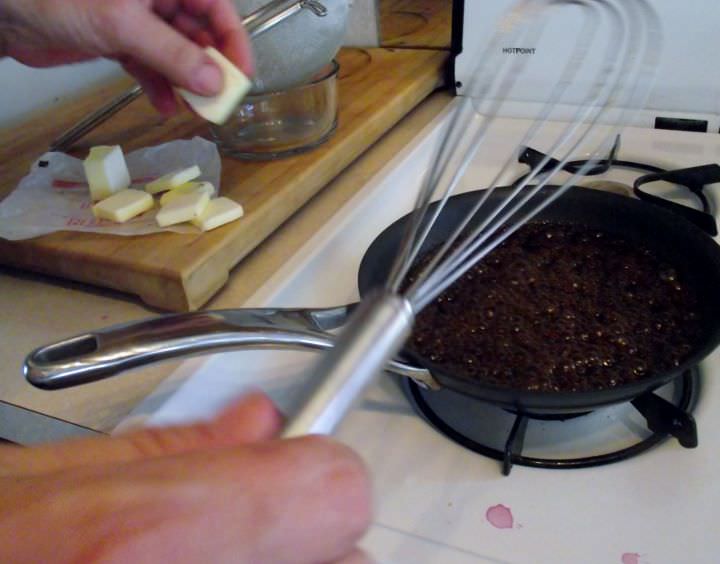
624 78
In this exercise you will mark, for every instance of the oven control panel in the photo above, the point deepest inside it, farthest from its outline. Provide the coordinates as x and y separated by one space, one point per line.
685 86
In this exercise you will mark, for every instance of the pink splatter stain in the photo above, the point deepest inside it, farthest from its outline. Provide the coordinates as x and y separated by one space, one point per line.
104 317
501 517
630 558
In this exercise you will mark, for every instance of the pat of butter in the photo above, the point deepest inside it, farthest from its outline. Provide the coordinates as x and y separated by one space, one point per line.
219 211
188 188
106 171
218 108
172 180
123 205
184 207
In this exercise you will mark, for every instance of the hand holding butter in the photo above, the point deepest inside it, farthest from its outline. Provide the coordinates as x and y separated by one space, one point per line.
197 49
183 200
218 108
162 43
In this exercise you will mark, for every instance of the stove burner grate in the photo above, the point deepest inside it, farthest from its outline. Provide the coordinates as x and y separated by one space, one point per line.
694 179
664 419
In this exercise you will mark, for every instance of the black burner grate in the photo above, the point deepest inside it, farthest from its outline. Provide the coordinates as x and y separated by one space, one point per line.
665 419
694 179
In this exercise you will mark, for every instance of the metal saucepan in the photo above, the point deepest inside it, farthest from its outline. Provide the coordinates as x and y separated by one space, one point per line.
101 354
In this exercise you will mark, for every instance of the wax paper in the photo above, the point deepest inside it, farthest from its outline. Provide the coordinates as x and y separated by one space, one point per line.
54 196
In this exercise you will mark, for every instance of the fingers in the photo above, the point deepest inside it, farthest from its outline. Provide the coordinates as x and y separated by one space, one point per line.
357 556
305 500
318 502
233 42
254 418
226 26
165 38
156 87
298 501
132 31
42 58
194 28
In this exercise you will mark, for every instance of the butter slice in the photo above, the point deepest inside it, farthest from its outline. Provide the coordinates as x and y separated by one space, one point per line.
106 171
218 108
173 180
219 211
123 205
184 207
188 188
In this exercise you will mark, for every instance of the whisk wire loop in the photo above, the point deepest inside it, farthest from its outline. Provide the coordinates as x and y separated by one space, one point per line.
623 80
447 266
585 37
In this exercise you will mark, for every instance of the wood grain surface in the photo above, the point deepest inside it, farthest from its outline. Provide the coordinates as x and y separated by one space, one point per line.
416 23
171 271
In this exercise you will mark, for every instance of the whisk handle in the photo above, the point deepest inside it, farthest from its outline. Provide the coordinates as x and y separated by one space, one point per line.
376 331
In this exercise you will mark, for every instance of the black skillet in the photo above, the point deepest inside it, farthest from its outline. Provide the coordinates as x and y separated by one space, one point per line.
669 236
103 353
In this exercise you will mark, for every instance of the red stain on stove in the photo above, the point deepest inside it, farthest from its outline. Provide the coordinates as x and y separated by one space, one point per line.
630 558
500 517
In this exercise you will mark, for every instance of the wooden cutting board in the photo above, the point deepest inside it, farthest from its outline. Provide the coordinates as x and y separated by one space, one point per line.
416 23
181 272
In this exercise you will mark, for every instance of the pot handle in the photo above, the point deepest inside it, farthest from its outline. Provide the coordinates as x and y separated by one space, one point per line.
694 179
100 354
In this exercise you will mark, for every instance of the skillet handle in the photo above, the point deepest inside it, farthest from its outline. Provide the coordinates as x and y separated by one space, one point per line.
103 353
100 354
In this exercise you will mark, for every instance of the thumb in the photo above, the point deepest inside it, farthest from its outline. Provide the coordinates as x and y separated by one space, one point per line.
252 419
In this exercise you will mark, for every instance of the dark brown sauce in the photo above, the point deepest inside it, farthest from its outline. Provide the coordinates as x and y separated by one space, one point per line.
560 307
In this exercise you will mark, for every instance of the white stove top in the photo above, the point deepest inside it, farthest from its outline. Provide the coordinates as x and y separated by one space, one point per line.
436 501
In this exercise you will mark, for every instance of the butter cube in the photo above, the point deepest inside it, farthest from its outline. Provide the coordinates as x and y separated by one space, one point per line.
106 171
184 207
188 188
172 180
219 211
218 108
123 205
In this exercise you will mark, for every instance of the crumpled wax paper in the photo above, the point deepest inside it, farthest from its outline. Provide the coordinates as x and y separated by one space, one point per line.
55 196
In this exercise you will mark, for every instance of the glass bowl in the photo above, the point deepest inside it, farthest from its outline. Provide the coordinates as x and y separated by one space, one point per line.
279 124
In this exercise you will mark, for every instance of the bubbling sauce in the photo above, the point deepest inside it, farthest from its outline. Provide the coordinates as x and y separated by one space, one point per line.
561 307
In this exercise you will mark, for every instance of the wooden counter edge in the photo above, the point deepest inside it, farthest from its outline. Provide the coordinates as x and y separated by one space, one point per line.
191 286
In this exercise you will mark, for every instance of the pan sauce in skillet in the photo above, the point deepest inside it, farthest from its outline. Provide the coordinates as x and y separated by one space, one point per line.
561 307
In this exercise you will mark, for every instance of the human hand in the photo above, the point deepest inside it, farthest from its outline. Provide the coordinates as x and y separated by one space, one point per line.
159 42
224 491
